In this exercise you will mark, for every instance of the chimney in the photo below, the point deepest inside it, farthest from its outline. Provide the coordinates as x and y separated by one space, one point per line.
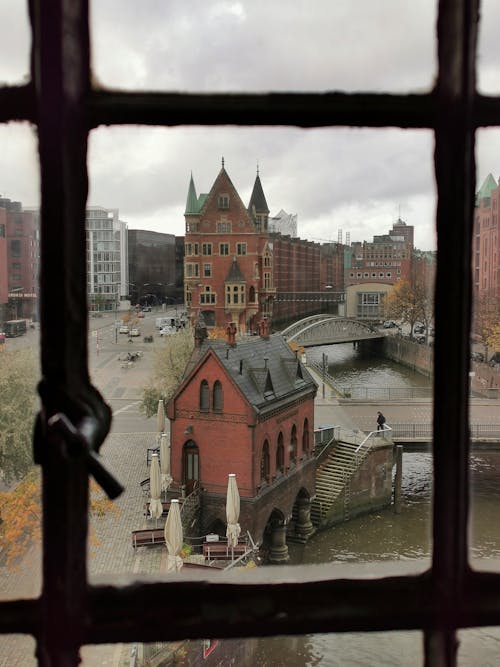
264 328
231 334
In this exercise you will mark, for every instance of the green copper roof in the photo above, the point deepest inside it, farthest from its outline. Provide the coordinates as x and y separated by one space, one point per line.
192 206
486 188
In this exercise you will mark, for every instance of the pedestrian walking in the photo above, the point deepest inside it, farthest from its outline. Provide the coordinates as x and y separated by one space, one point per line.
380 421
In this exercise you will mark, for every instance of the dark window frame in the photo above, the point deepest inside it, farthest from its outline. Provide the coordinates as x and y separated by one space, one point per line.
61 102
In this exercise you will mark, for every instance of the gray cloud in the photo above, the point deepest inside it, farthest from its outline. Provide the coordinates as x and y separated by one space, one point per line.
358 181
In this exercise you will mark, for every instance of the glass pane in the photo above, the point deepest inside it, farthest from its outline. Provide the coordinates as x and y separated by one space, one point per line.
16 42
350 209
485 361
258 46
487 62
331 650
20 502
478 646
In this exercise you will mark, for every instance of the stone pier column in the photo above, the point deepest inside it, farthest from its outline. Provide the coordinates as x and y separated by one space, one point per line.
278 552
304 527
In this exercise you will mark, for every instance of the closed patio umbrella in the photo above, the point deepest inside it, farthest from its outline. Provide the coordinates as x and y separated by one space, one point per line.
174 536
166 477
160 417
155 504
232 512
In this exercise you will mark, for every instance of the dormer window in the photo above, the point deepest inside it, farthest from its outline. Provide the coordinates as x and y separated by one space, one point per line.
223 201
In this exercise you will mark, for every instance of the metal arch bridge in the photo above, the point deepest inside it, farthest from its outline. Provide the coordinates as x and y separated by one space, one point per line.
329 329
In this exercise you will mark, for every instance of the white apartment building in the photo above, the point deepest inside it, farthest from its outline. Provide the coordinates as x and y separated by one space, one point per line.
107 258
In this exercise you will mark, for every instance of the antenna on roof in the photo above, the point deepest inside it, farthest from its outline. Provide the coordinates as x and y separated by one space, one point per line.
257 168
223 162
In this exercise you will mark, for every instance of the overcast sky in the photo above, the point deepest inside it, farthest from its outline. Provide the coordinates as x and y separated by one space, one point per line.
336 180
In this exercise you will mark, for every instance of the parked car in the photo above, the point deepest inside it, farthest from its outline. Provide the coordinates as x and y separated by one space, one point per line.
140 313
135 332
167 331
418 328
123 329
146 309
389 324
420 338
477 356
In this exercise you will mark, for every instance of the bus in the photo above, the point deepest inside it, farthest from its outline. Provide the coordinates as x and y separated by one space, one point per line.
15 328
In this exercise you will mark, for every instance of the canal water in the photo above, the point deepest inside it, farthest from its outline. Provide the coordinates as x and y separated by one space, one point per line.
391 542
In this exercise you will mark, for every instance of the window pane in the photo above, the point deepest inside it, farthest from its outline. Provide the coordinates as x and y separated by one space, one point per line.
366 213
485 360
16 42
277 46
478 646
487 62
20 486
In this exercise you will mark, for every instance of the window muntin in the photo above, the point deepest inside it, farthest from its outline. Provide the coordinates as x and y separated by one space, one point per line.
241 248
224 249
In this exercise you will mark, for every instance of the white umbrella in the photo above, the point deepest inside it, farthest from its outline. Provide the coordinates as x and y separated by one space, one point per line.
166 477
160 417
232 512
174 536
155 504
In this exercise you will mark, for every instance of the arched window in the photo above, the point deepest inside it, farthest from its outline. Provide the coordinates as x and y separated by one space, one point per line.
305 438
293 445
280 455
264 463
217 403
204 396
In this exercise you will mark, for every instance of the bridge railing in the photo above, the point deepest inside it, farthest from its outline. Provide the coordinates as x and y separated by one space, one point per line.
423 431
366 393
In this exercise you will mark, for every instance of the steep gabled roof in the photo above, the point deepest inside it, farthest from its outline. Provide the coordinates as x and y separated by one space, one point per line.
258 203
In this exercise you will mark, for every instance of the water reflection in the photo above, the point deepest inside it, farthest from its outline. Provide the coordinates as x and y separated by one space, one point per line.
355 367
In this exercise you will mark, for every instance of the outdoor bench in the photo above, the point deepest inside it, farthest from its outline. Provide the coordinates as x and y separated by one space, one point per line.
148 537
221 551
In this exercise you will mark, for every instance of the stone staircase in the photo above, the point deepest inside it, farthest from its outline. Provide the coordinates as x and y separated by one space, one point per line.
334 477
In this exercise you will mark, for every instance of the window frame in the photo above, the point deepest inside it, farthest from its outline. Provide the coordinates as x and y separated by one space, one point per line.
60 101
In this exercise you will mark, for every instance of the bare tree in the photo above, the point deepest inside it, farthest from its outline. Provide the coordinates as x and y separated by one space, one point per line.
169 367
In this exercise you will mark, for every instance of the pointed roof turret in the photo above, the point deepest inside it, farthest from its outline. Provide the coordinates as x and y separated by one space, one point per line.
192 207
486 189
258 203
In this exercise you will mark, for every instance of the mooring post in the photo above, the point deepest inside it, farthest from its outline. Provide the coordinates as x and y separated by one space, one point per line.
398 481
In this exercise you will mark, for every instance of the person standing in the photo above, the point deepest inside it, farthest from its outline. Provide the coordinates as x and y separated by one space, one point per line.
380 421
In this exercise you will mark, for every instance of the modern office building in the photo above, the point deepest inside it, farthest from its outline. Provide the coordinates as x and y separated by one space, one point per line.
151 266
107 258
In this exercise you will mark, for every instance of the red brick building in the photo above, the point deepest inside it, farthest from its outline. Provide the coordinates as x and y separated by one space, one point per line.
228 263
20 250
486 248
248 409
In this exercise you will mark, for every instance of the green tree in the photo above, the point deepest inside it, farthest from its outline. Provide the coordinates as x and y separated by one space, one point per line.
410 303
169 367
18 379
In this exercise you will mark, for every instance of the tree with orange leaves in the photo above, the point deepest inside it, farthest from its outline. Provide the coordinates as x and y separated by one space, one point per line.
21 513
